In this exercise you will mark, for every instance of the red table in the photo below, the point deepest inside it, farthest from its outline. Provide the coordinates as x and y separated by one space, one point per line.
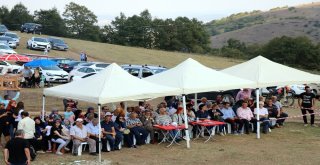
208 125
165 130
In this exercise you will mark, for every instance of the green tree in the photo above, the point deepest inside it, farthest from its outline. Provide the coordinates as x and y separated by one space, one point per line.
4 12
80 22
52 22
18 15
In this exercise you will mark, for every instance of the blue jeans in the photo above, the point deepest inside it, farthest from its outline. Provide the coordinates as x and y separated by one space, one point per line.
114 142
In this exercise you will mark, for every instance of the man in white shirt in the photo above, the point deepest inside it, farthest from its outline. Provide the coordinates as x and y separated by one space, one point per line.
93 130
263 114
79 134
28 126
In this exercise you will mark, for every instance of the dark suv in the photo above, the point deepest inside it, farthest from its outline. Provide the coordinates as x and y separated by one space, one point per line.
31 28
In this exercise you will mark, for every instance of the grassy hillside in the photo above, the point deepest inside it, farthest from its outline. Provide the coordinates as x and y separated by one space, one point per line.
122 54
260 27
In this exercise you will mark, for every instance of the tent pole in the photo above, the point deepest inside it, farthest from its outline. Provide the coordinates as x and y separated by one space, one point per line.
186 120
43 106
258 112
196 102
99 125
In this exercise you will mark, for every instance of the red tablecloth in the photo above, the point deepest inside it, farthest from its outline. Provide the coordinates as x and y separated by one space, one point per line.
207 123
169 127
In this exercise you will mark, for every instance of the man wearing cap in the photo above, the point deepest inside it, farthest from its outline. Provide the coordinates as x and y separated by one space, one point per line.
230 117
306 103
263 117
79 135
110 134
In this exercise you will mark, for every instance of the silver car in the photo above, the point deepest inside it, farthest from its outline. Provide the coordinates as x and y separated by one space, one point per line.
14 36
9 41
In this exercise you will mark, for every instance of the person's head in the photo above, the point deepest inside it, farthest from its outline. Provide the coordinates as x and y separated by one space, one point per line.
226 104
189 107
147 113
25 67
215 106
79 122
274 99
162 111
308 89
57 123
6 97
246 90
12 105
19 133
204 100
209 105
133 115
179 110
141 104
66 122
37 120
2 105
90 116
55 111
69 109
203 107
261 104
95 121
24 114
120 119
90 110
108 116
270 102
105 109
20 105
244 104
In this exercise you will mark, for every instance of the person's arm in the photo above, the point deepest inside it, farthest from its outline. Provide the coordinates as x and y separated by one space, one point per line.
313 103
3 115
27 152
299 102
57 133
17 96
6 156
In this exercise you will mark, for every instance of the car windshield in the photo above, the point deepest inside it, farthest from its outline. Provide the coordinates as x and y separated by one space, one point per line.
57 41
29 25
6 39
50 67
12 35
73 63
4 47
87 64
158 70
40 39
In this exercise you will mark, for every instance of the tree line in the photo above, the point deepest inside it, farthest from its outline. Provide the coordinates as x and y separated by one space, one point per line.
77 21
298 52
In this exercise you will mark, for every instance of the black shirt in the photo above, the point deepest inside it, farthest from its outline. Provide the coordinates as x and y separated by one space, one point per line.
272 110
3 119
53 129
16 148
307 99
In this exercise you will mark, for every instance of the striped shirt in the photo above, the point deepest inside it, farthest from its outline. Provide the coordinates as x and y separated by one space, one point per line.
163 120
131 121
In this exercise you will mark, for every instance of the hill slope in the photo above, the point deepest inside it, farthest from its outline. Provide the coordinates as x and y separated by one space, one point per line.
122 54
260 27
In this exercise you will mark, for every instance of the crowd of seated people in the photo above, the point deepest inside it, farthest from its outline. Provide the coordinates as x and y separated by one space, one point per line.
66 131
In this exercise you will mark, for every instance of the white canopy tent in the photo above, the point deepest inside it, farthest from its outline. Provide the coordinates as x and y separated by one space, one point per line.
192 77
268 73
112 84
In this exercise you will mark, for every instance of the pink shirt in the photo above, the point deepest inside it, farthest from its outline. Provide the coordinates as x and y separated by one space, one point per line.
244 113
243 95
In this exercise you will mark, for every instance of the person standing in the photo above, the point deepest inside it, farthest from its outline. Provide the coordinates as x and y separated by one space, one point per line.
17 150
82 56
306 103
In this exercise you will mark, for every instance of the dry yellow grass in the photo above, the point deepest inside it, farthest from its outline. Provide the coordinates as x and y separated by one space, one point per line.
126 55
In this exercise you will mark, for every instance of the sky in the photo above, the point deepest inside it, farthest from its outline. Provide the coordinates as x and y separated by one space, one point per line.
204 10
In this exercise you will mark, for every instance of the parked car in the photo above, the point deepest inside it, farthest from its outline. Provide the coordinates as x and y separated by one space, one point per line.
76 78
9 41
69 66
31 28
58 44
3 29
94 65
54 74
80 72
315 88
14 36
143 71
5 49
5 66
38 43
61 60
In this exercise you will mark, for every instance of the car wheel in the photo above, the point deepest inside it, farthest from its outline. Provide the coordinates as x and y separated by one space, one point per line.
71 79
